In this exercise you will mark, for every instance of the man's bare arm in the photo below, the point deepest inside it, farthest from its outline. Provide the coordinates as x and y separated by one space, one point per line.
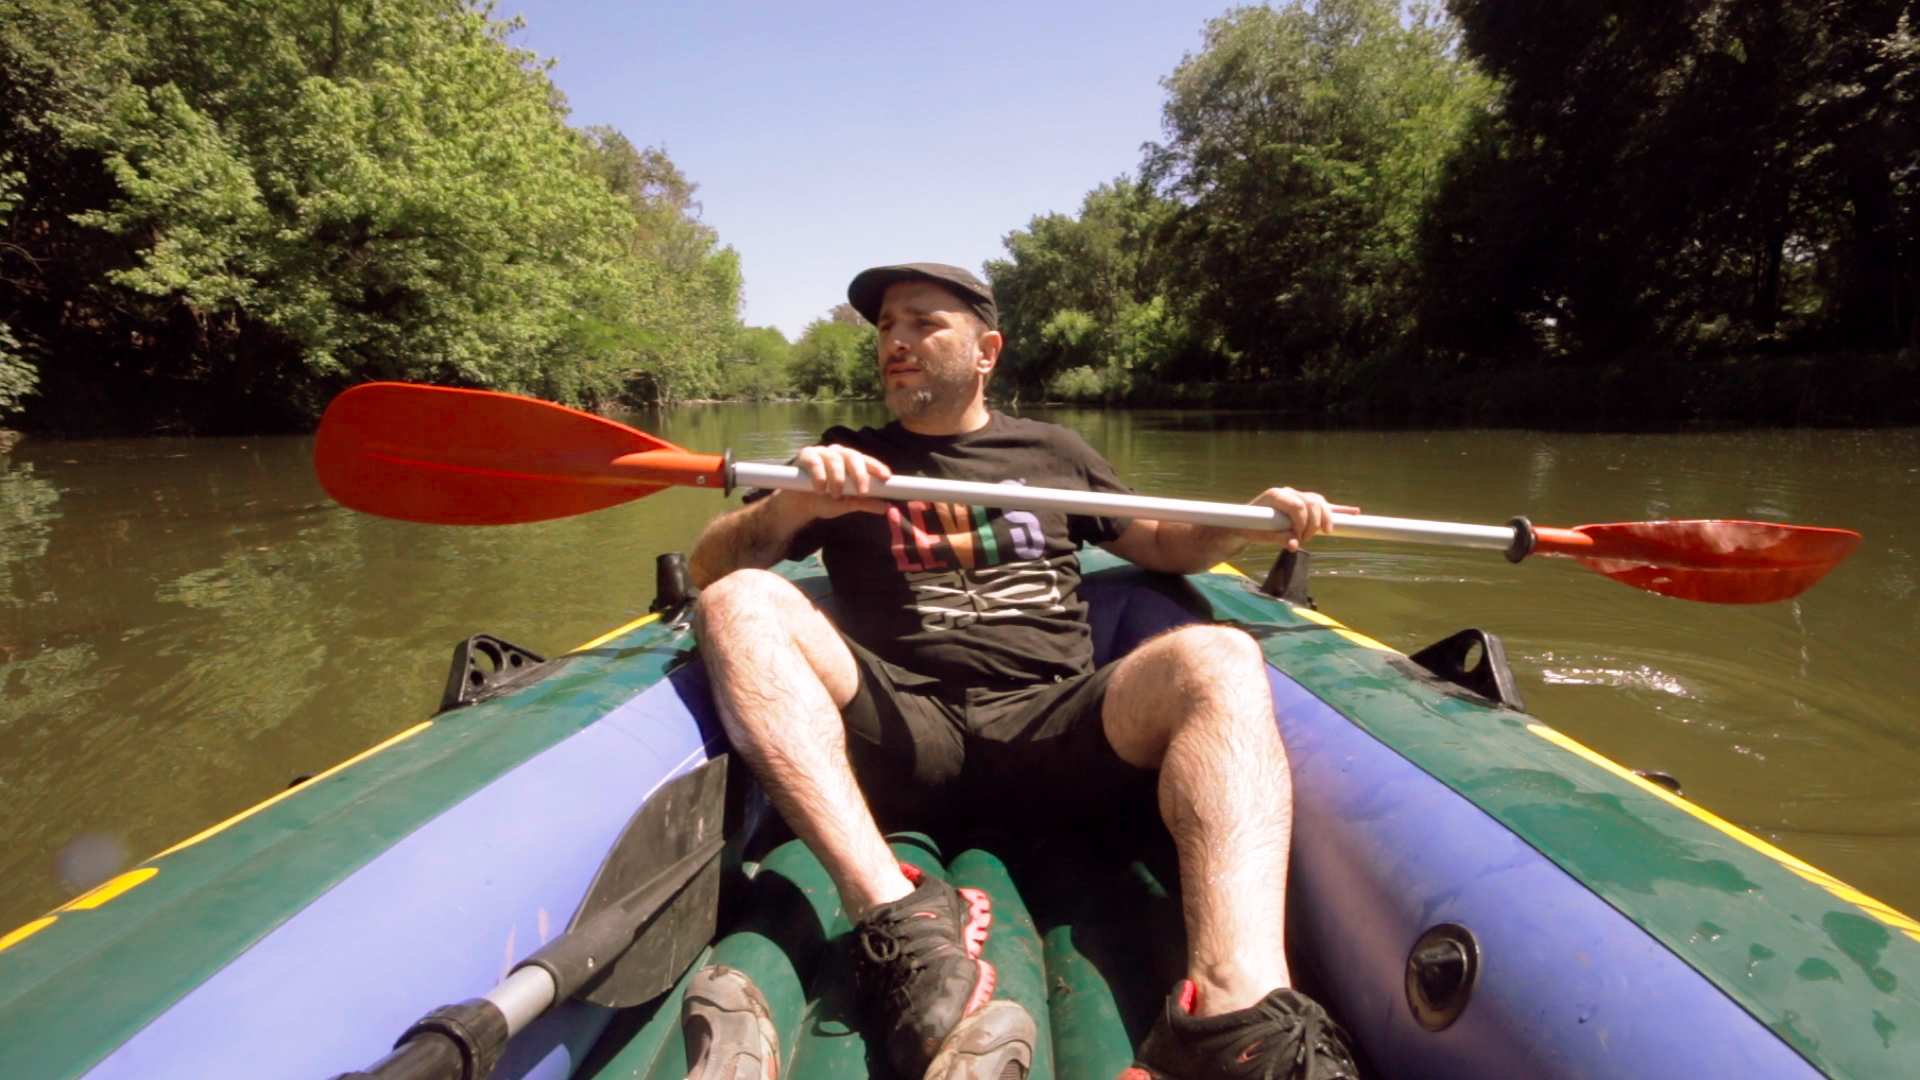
1175 547
1179 548
757 536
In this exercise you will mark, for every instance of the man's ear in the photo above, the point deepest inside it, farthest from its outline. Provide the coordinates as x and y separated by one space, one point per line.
987 357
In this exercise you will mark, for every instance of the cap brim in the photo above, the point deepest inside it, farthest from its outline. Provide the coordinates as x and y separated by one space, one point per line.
869 288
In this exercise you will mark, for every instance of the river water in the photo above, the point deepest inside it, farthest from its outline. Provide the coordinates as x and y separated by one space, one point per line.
188 624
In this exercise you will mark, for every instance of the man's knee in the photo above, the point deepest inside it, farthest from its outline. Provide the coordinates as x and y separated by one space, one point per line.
1218 674
1210 674
743 595
1213 656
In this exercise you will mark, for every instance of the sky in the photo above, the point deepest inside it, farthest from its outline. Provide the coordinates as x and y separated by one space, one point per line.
828 137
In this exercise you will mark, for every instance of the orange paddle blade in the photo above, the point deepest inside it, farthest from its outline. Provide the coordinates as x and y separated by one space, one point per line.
474 457
1719 562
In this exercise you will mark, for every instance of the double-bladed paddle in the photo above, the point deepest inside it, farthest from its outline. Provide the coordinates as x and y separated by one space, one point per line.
475 457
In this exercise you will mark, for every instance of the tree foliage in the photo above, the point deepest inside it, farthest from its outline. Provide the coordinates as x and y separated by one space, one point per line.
222 212
1274 232
837 357
756 368
1092 293
1667 178
1303 145
1518 212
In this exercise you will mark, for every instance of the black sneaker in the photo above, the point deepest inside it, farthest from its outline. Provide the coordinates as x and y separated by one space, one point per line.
1284 1036
917 968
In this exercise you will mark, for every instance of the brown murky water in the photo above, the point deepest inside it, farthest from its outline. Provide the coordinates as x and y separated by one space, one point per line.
187 625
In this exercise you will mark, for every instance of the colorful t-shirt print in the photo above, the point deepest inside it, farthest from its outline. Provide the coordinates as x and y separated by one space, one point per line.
973 596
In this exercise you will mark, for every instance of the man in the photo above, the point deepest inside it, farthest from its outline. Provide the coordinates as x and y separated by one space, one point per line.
960 682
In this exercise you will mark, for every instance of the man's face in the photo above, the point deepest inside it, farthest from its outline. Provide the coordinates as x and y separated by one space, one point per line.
930 350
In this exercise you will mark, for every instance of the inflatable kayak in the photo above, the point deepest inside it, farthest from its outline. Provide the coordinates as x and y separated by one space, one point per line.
1474 894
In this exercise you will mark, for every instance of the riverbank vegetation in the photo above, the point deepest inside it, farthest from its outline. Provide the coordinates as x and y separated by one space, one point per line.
1590 215
214 214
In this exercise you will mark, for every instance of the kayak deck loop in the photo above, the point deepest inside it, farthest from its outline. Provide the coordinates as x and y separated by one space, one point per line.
1474 660
485 667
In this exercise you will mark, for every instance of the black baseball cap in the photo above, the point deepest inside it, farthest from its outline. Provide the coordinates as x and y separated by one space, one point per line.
869 287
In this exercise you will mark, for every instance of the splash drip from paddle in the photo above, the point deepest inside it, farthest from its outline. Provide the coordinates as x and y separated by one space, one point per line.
474 457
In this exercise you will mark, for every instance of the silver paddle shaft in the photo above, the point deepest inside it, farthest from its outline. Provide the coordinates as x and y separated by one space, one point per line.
525 994
1192 511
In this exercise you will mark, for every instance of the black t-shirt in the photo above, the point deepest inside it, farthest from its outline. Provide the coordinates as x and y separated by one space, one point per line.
971 596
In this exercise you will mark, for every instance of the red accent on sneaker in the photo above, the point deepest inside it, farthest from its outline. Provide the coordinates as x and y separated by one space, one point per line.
983 990
1252 1049
979 917
1190 996
1135 1072
912 873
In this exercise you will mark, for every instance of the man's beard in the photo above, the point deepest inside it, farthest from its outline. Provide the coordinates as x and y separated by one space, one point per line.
944 389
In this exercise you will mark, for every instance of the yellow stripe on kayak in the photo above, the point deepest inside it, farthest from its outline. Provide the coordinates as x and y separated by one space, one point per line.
100 894
257 807
1359 638
1884 912
117 886
1311 615
1340 628
26 932
617 631
106 891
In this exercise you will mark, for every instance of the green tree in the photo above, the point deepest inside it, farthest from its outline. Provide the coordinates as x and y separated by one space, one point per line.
1666 179
837 359
55 64
684 322
1274 234
226 211
1073 293
756 367
1303 146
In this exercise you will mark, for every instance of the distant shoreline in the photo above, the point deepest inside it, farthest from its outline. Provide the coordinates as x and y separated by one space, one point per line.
1819 391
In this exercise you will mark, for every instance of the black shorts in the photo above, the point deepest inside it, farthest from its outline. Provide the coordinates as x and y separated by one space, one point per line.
927 754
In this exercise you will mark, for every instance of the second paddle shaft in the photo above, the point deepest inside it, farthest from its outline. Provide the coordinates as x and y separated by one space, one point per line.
1012 496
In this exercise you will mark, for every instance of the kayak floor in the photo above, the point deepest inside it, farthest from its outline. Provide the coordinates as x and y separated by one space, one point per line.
1086 935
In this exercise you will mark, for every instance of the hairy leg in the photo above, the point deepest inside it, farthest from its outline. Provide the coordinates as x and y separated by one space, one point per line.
780 675
1195 703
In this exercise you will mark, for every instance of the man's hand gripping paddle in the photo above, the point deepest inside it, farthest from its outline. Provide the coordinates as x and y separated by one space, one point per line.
473 457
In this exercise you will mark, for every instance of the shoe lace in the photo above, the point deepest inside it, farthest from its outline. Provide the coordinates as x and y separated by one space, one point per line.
894 956
883 943
1292 1043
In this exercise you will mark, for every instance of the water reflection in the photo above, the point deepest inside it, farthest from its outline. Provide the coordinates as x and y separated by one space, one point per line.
188 624
28 507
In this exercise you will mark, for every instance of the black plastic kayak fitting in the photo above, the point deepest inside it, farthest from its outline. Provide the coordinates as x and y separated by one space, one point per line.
672 583
1288 578
1442 968
486 667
